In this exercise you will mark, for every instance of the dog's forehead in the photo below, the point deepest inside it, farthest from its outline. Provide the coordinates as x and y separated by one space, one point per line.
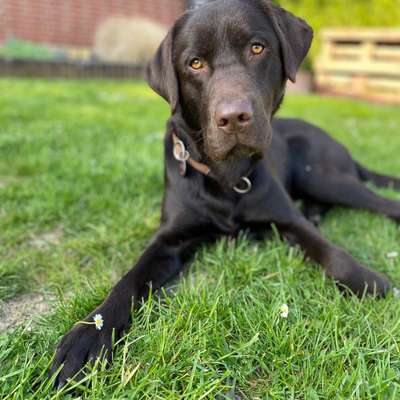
223 22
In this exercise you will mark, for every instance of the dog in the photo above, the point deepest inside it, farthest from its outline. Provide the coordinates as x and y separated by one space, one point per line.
230 166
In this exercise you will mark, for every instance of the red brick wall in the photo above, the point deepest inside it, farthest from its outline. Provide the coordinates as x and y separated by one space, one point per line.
74 22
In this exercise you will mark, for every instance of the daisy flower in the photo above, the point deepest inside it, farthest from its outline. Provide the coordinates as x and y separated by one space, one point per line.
392 255
98 321
284 309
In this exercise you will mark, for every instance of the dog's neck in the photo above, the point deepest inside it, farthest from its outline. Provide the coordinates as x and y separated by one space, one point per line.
186 151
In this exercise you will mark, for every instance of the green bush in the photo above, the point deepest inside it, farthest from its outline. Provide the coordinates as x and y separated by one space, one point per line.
16 48
322 14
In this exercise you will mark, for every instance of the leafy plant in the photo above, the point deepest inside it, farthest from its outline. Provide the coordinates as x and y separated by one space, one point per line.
16 48
321 14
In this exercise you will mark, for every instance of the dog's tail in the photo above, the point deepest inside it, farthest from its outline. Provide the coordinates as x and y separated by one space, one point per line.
379 180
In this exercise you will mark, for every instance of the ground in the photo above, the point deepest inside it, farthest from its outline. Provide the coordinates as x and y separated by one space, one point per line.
80 192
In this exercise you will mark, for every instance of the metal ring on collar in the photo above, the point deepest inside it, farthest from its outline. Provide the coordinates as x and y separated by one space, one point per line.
183 154
246 189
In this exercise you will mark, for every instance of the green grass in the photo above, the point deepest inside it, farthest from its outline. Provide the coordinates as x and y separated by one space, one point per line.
84 159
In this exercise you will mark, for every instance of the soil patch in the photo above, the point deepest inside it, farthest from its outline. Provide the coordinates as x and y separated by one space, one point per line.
23 309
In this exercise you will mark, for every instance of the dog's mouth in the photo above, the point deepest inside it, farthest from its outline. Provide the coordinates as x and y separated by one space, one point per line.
238 164
233 153
219 147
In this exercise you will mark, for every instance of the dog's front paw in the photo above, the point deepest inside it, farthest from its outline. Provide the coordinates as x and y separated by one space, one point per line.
84 343
359 279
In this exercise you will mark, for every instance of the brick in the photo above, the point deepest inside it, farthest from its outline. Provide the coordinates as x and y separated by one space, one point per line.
74 22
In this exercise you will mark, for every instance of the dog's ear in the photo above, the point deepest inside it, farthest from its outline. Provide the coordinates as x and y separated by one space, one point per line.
295 37
160 72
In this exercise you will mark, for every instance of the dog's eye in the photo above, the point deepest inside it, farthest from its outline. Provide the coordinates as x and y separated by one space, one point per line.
196 64
257 48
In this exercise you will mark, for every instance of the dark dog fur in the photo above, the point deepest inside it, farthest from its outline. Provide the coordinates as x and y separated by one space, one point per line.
223 112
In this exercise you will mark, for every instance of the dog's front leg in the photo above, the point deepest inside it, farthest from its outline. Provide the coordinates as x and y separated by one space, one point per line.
337 263
85 342
279 209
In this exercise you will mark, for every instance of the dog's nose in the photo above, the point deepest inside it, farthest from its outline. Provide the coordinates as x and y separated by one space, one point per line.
234 116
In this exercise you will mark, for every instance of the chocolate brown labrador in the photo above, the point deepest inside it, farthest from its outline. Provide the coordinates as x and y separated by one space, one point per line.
230 166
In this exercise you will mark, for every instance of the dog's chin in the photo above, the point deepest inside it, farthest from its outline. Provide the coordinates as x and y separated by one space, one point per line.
229 172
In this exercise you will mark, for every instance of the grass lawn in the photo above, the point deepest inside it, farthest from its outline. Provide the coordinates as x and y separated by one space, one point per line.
80 193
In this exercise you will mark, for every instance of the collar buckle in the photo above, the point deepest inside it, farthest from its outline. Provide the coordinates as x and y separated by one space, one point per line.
181 155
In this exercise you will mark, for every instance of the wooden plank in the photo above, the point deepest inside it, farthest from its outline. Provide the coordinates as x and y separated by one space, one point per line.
335 81
388 53
390 85
364 67
375 97
346 51
388 35
391 98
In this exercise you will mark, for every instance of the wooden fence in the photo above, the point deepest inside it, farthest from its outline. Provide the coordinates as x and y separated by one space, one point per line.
360 62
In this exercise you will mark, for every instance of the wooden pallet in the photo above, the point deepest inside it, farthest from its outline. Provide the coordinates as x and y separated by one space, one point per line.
360 62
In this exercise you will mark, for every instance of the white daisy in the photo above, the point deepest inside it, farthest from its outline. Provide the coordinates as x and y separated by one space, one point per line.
284 309
98 321
392 255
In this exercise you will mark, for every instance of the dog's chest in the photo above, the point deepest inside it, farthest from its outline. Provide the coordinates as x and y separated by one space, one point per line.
223 214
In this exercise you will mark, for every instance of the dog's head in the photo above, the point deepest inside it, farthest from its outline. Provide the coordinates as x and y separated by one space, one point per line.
223 68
